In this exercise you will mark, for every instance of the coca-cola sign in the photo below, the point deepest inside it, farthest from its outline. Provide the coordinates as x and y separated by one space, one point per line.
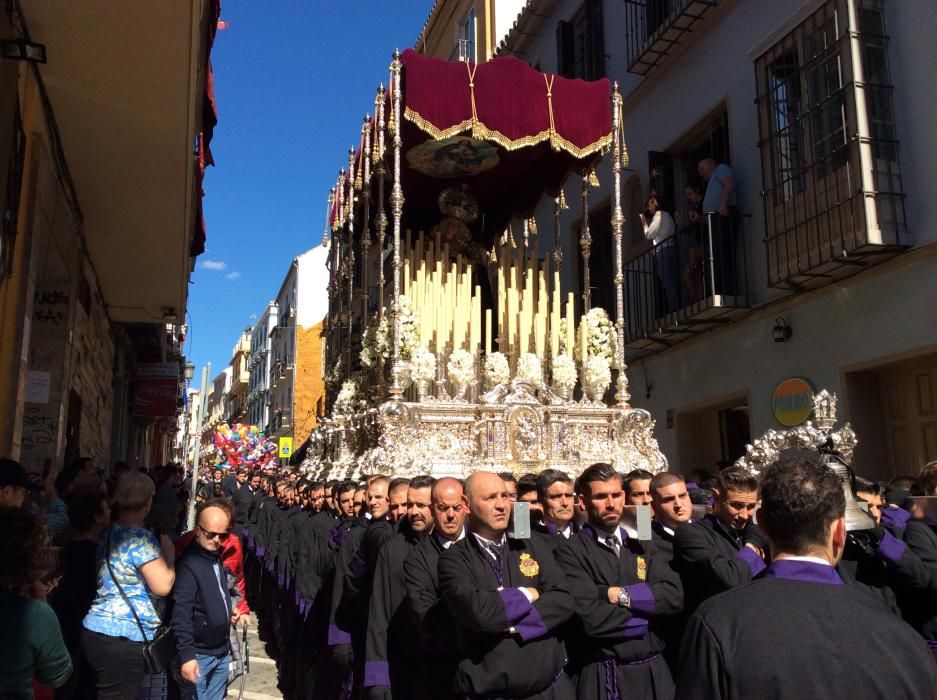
155 389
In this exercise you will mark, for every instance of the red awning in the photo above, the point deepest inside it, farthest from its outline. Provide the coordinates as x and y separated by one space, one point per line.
504 130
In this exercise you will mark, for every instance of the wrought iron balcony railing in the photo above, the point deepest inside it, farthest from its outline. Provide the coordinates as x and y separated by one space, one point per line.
656 27
689 283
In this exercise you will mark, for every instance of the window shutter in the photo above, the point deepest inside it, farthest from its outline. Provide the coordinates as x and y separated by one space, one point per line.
564 49
596 35
660 178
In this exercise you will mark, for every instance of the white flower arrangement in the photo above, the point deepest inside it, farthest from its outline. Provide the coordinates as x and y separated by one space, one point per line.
529 369
461 367
497 369
601 337
348 397
596 374
564 372
422 365
378 341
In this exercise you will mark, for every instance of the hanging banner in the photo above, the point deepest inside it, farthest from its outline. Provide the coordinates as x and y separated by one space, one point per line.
155 389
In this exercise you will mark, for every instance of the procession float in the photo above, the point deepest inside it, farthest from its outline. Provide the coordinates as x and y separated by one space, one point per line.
458 336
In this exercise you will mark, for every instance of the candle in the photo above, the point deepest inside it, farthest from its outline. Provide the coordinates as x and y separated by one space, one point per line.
570 323
487 331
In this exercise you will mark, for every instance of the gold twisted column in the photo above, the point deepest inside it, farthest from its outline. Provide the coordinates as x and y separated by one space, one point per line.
622 397
585 245
365 217
380 220
350 257
396 202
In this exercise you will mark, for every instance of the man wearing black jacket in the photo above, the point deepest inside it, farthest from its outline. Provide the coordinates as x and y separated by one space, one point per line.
724 549
797 631
622 588
438 655
245 500
507 597
202 612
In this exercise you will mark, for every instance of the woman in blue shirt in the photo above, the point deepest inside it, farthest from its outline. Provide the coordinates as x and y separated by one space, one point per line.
143 565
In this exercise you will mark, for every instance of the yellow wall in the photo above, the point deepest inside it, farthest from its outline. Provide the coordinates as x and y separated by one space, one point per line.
439 34
308 386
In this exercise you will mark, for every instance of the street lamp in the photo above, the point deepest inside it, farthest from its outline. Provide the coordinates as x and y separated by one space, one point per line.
189 372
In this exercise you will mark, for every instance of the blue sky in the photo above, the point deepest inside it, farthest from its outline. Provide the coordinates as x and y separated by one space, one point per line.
293 79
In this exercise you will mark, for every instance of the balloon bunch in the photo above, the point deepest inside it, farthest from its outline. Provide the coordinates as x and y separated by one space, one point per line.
243 446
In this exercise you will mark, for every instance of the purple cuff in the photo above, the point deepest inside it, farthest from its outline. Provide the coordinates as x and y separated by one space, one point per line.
642 599
891 548
895 517
338 636
376 673
635 628
692 486
522 615
750 557
260 551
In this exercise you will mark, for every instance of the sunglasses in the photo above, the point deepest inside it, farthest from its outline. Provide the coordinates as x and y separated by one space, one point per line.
212 535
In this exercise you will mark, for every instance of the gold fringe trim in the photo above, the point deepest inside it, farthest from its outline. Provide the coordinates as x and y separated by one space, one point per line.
480 131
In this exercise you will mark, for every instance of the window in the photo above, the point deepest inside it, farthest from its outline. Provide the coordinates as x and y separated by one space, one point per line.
464 49
827 123
581 43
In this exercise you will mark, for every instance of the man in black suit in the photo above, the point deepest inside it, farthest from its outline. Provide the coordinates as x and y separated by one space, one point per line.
435 639
245 500
724 549
507 597
557 500
622 588
798 630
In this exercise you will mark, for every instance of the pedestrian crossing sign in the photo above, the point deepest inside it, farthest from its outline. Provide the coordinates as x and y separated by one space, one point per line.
286 447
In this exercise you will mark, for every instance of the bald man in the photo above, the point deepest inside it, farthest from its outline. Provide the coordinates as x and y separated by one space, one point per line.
435 636
507 596
201 593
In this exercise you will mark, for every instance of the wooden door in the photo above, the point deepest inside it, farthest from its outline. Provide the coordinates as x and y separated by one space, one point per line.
909 410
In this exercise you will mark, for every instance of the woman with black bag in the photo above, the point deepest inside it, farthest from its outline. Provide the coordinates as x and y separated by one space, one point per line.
123 636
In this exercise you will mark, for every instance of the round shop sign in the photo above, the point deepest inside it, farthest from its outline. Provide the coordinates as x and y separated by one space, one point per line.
792 401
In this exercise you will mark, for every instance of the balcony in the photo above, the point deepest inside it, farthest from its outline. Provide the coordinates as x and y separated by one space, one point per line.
280 420
694 281
280 369
654 28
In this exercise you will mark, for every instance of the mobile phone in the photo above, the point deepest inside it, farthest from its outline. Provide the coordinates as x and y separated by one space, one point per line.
520 526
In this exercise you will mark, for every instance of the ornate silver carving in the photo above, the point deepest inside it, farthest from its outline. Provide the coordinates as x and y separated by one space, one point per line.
810 436
516 427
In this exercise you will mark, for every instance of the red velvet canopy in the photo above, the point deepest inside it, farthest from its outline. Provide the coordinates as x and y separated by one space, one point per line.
505 130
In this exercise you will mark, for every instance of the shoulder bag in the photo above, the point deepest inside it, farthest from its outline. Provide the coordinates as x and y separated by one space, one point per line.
159 651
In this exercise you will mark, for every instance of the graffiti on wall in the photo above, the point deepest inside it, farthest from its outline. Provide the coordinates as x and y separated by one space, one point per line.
50 306
39 428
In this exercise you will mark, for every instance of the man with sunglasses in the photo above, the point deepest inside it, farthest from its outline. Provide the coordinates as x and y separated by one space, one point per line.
202 611
725 548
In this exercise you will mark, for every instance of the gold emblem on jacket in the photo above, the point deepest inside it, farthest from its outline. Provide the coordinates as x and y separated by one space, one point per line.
528 565
642 568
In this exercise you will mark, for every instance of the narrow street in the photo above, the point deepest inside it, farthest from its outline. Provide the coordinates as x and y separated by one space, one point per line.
261 683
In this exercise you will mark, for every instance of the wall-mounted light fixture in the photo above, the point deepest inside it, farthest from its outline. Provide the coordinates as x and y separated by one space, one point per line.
19 50
782 331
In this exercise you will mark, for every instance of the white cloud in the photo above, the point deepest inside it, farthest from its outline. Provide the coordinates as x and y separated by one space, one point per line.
216 265
232 275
